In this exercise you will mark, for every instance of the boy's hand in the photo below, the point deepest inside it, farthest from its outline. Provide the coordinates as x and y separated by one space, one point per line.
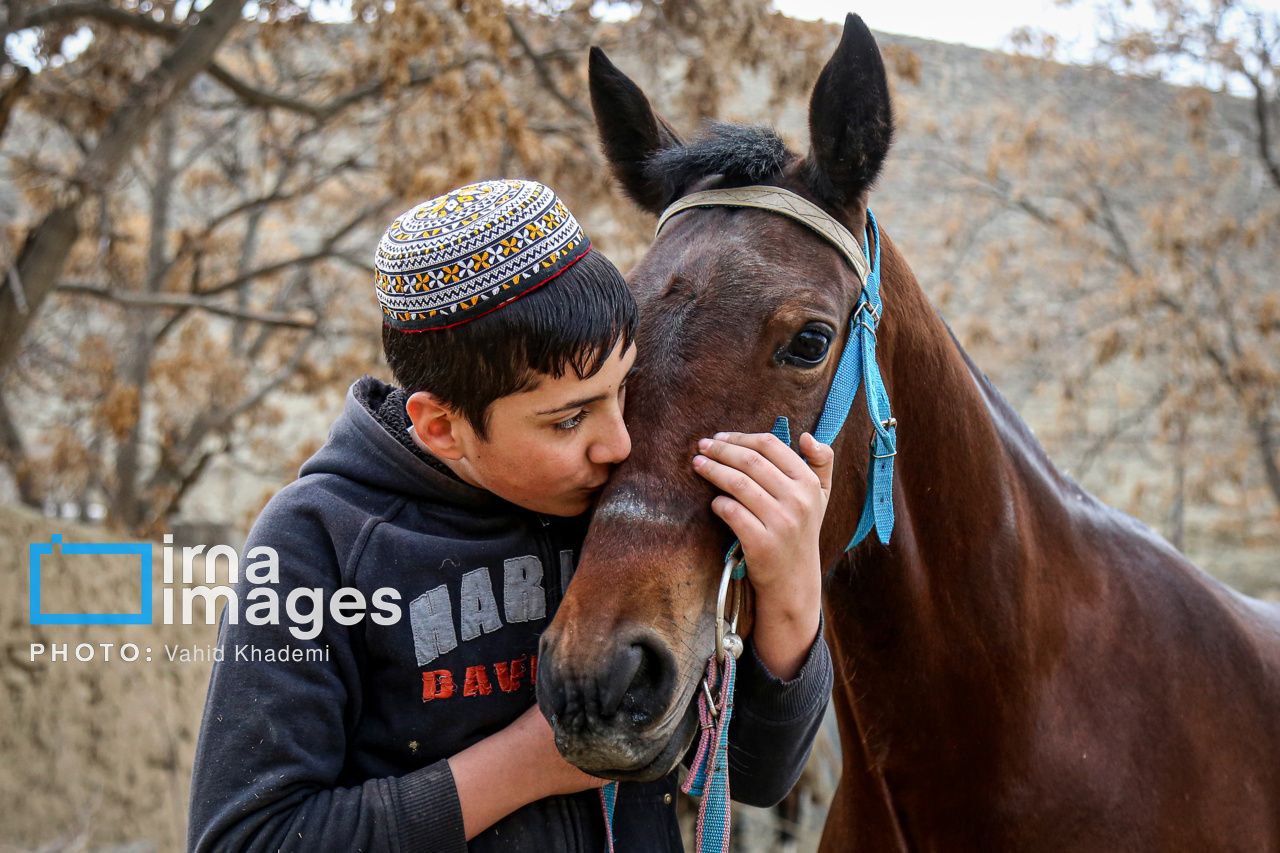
511 768
556 776
774 505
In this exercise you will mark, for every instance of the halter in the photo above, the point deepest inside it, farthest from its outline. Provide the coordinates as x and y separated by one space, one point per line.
709 775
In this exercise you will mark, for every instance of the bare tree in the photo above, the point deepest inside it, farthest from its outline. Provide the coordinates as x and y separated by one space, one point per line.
218 258
1155 244
35 272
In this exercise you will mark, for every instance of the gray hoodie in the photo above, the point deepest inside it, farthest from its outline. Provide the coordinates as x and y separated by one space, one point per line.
343 745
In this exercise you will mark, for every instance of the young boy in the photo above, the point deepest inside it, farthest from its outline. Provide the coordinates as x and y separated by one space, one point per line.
431 539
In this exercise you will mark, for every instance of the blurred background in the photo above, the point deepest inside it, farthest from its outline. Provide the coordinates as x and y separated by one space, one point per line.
191 193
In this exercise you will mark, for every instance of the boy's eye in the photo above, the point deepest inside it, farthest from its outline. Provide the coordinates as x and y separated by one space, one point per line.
573 422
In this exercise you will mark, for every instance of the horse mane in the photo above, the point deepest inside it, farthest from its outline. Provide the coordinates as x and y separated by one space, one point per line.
746 153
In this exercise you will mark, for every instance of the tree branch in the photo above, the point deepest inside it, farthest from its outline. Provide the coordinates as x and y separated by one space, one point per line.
217 420
180 301
325 251
1261 115
253 96
46 249
247 93
186 480
11 95
13 452
66 12
544 73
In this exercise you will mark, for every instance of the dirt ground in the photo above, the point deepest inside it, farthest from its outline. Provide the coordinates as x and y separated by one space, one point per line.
94 756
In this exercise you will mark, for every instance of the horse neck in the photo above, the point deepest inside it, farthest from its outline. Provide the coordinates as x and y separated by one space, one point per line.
953 597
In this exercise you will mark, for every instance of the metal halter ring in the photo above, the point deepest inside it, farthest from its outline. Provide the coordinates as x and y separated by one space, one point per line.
870 309
726 629
727 639
711 700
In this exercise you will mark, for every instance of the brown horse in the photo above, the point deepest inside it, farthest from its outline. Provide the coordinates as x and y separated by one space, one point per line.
1021 667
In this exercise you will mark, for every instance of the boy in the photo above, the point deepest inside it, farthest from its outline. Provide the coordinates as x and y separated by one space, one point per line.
435 532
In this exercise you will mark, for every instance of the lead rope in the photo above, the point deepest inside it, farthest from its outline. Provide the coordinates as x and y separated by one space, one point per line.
608 798
708 776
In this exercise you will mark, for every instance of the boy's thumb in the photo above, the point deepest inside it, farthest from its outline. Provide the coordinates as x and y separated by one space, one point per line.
821 459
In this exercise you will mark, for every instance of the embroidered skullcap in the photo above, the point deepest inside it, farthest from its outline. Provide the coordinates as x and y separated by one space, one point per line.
470 251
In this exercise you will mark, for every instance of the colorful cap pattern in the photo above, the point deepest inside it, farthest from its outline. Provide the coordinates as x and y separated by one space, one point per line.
468 252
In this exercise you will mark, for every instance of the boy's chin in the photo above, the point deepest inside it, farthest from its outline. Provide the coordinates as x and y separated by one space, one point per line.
568 505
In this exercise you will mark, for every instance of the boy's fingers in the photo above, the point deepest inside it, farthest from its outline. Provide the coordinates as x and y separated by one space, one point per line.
738 484
752 463
821 458
741 520
772 448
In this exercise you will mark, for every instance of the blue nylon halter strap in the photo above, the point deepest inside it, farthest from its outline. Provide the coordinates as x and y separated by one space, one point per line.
858 366
709 774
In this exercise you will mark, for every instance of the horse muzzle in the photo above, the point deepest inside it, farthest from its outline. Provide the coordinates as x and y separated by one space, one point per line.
618 711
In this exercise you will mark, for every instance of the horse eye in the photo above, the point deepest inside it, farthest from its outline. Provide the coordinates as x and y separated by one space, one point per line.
809 347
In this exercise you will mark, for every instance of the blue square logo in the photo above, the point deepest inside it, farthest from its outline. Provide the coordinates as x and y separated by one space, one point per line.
41 549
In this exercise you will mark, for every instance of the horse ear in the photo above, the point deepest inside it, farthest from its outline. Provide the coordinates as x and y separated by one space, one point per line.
850 119
630 132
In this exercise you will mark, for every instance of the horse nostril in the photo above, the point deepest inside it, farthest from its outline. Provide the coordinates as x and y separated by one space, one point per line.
632 688
626 665
649 674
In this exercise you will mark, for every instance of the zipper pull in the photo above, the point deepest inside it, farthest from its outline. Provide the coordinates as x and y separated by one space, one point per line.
546 522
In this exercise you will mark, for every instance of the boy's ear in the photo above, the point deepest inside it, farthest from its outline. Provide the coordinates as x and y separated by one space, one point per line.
436 424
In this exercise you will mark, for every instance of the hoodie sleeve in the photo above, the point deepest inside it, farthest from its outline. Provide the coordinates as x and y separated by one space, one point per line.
774 724
274 735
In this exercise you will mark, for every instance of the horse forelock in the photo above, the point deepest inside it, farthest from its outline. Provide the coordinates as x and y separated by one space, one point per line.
732 152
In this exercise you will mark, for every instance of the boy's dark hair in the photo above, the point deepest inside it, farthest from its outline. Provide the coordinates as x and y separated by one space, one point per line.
573 321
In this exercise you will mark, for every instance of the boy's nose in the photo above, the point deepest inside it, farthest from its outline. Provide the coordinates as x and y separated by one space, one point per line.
613 447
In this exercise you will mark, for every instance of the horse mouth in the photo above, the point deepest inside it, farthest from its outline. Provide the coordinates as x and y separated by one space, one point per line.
599 758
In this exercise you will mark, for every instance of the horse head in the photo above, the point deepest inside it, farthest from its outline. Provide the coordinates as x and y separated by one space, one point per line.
744 315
